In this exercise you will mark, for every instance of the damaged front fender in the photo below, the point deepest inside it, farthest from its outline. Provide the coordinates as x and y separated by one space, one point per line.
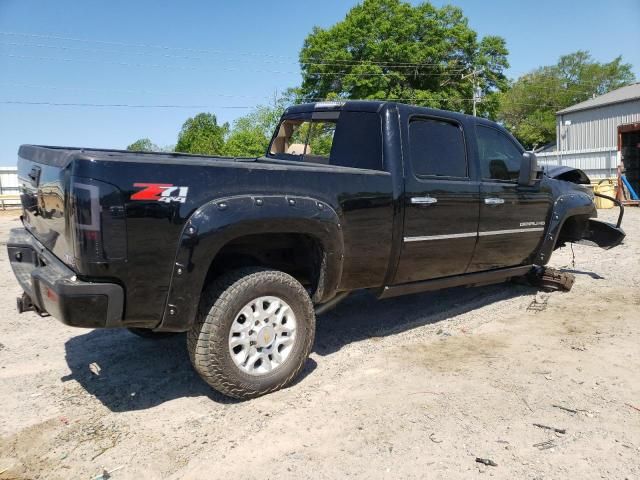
602 234
572 219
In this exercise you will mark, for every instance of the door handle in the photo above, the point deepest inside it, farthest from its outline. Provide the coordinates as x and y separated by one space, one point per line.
423 200
494 201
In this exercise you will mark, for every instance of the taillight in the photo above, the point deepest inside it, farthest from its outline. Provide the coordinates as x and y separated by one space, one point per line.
98 224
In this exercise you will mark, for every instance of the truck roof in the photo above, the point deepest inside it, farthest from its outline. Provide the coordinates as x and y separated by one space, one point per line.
376 106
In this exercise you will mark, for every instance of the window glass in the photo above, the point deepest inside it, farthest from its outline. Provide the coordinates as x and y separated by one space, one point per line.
307 140
353 140
358 141
437 148
320 139
499 157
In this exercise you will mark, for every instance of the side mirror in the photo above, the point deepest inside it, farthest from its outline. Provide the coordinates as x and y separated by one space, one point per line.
528 169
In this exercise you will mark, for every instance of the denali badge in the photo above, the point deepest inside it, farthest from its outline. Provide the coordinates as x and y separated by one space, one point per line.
161 192
531 224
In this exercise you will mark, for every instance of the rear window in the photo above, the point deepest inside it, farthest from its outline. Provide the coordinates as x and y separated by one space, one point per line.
348 139
437 148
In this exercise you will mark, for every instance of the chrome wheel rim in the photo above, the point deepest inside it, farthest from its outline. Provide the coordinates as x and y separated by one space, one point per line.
262 335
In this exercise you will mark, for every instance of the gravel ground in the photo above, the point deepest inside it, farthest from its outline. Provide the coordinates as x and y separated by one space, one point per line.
410 387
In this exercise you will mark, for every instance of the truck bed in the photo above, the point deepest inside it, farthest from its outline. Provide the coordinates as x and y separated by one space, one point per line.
147 231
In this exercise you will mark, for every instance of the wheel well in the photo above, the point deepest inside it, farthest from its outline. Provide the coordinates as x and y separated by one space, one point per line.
573 229
299 255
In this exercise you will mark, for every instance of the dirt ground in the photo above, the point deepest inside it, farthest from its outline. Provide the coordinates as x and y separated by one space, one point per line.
413 387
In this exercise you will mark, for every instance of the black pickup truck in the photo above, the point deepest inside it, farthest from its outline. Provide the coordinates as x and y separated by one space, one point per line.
243 253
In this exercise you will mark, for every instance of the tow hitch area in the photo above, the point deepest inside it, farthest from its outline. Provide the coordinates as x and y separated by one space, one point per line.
24 304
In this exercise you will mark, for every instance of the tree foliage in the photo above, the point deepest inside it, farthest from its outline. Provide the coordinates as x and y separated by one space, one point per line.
390 49
202 135
528 107
251 134
143 145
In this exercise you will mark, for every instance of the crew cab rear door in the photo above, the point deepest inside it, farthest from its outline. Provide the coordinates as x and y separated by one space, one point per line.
441 202
512 216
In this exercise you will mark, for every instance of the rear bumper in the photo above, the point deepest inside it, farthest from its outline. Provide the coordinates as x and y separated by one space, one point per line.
53 287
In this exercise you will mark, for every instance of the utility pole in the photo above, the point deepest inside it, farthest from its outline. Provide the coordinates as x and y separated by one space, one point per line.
474 79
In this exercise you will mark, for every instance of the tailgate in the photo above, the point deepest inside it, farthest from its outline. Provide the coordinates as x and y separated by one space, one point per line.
80 220
43 194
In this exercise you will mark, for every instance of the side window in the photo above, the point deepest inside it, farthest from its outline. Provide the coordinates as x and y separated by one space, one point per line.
437 148
353 140
499 157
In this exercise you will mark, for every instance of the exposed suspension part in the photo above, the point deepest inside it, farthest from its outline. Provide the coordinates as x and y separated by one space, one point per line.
550 279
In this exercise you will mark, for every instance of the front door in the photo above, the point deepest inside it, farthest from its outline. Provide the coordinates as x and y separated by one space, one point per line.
441 202
512 217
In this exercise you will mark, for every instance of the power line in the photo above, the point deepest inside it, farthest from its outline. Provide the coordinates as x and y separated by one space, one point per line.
135 92
134 45
223 95
220 95
183 67
209 51
177 106
335 63
262 55
120 105
552 80
160 93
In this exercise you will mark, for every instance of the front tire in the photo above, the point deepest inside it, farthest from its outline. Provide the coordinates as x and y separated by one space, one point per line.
253 332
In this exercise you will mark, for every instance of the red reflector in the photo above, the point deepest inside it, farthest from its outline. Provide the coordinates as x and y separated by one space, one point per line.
91 235
51 295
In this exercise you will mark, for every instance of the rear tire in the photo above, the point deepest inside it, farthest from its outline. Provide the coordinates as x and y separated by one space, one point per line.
253 333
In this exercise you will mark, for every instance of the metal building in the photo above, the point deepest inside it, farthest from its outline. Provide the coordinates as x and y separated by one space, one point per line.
598 134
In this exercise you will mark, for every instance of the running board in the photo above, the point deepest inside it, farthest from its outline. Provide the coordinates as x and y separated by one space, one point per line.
468 279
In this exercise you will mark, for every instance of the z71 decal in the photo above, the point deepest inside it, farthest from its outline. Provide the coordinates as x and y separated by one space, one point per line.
160 192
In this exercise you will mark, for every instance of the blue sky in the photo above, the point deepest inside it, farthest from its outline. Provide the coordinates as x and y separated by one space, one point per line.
251 46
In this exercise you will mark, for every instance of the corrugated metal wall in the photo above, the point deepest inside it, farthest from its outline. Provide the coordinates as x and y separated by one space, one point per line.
590 141
595 128
596 164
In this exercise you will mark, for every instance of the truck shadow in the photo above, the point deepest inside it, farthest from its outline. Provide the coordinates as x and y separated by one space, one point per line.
593 275
136 373
362 316
128 373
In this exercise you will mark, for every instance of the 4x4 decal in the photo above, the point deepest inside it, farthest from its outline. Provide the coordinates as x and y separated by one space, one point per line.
161 192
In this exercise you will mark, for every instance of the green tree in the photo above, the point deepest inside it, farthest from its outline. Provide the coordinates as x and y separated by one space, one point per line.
390 49
246 142
251 134
528 107
143 145
202 134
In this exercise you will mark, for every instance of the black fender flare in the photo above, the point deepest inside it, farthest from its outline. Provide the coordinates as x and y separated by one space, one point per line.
565 206
220 221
